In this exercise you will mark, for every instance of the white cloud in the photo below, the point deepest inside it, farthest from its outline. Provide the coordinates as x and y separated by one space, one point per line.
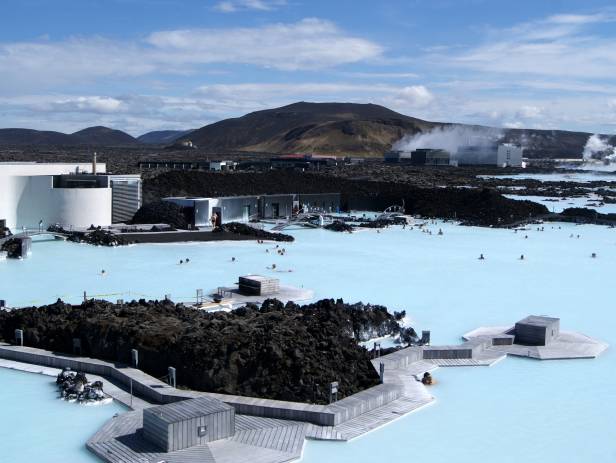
231 6
530 112
309 44
557 46
90 104
414 96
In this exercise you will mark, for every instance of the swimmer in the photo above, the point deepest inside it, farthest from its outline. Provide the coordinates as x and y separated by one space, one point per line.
187 260
440 231
522 257
267 251
233 259
525 237
103 273
593 255
481 257
181 261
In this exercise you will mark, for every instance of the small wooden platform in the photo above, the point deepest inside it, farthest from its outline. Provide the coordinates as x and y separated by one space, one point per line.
567 345
256 440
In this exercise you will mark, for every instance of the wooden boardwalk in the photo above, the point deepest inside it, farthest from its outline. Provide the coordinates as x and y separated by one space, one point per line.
273 431
256 440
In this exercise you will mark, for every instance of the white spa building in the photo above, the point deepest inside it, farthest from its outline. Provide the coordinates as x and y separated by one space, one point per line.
73 195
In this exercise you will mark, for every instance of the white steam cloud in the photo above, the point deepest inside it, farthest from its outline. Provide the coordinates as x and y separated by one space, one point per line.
598 149
449 138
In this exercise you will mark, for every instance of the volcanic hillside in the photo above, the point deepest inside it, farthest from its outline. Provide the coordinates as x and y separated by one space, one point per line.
327 128
357 130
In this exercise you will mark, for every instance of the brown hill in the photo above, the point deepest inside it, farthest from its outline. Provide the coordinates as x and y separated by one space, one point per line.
327 128
355 129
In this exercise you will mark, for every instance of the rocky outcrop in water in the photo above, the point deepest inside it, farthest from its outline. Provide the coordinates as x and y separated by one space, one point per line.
278 351
75 386
95 236
247 230
339 226
13 248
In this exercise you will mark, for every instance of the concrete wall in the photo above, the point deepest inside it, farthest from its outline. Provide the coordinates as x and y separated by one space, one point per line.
156 391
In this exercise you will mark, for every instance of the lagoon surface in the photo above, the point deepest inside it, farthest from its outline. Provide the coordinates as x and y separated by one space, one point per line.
518 409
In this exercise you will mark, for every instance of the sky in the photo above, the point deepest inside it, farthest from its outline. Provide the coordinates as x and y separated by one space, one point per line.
141 65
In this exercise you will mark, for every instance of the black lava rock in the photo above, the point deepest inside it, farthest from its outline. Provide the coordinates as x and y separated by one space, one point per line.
277 351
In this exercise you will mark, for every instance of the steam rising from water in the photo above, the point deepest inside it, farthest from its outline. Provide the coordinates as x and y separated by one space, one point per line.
598 149
449 138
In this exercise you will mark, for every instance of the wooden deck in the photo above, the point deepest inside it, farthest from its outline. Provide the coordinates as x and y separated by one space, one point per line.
256 440
568 345
273 431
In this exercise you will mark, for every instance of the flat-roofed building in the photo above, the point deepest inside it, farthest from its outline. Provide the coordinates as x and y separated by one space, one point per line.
223 210
69 194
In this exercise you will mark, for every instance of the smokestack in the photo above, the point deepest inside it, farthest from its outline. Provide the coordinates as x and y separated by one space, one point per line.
94 163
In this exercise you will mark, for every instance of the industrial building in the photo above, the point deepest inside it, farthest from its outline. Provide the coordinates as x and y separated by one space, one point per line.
503 155
206 211
419 157
188 165
397 156
34 195
430 157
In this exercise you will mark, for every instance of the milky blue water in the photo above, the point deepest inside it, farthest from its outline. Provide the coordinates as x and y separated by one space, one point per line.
518 409
36 426
558 204
582 177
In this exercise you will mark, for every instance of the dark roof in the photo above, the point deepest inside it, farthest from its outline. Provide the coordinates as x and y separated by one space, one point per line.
538 320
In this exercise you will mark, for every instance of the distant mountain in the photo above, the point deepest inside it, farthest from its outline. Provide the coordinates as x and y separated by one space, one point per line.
90 136
100 135
162 137
33 137
328 128
356 129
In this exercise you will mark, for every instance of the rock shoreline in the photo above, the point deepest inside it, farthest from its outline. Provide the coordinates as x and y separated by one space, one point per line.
276 351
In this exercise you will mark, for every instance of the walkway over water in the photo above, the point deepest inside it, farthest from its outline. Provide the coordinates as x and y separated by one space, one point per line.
34 232
273 431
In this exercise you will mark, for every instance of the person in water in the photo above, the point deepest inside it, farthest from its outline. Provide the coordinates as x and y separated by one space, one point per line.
181 261
103 273
522 257
187 260
481 257
233 259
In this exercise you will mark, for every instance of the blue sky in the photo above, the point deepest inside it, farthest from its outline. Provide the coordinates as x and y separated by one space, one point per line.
141 65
